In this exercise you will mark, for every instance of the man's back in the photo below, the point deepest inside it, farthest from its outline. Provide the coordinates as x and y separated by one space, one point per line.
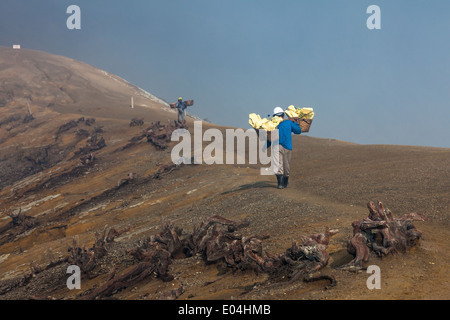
285 130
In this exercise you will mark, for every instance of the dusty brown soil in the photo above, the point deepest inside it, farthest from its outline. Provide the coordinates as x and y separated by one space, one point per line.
192 193
330 185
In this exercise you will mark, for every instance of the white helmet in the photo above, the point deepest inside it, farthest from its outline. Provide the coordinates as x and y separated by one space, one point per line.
277 110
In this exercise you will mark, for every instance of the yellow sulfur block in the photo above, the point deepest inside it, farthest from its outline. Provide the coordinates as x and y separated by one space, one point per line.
306 113
255 120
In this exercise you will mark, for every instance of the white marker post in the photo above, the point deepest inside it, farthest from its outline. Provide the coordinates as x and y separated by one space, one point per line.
16 47
132 103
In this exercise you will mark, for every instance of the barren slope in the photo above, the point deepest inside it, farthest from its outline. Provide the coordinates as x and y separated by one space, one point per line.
331 183
55 90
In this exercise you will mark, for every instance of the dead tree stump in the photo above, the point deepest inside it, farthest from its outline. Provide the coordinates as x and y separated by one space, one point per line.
382 234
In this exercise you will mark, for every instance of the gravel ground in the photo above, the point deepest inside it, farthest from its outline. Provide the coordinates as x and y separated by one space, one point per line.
330 185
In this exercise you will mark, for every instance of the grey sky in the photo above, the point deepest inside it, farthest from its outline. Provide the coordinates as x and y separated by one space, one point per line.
388 86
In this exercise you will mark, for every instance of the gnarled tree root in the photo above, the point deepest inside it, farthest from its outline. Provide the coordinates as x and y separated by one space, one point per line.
382 234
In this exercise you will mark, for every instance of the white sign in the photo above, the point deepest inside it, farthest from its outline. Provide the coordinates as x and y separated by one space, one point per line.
16 46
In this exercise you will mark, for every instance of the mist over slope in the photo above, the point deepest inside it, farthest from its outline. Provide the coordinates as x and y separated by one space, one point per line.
53 90
56 112
67 85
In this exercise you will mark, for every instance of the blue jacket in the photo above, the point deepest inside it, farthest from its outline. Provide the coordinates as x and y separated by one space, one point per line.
181 106
285 130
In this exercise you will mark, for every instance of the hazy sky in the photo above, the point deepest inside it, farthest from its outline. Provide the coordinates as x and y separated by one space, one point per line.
387 86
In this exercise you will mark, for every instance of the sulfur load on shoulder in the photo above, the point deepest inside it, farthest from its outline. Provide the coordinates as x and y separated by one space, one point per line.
257 122
267 124
304 113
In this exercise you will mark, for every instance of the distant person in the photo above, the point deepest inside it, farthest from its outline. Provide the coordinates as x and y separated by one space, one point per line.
285 130
181 106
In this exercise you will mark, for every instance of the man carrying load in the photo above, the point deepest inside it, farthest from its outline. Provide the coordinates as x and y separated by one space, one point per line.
181 106
285 130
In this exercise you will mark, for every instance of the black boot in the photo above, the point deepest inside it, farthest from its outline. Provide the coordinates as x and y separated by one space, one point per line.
280 181
285 181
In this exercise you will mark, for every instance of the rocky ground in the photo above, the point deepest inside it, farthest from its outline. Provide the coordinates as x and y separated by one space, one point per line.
330 186
72 165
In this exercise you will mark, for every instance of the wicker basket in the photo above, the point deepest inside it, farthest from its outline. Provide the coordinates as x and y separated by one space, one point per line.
188 103
305 124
